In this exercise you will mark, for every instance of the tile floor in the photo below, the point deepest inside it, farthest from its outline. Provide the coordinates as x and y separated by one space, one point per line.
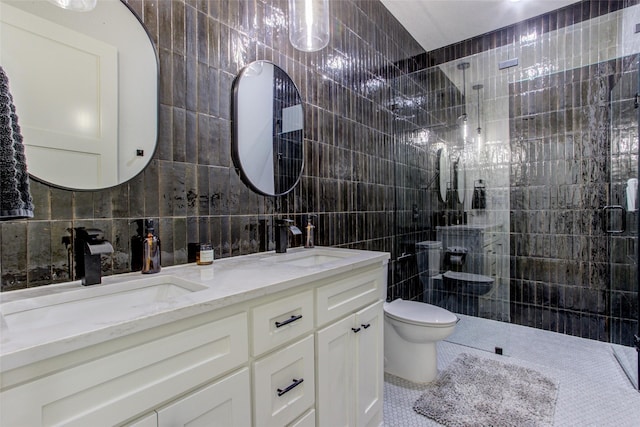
593 388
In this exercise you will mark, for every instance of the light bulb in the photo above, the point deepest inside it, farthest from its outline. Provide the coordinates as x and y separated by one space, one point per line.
465 128
76 5
309 24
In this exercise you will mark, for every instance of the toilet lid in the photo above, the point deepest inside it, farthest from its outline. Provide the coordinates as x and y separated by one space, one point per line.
419 313
468 277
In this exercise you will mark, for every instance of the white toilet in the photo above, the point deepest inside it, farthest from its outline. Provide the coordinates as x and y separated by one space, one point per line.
411 330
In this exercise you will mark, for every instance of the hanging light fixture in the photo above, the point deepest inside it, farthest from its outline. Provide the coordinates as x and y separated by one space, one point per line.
76 5
463 120
309 28
479 135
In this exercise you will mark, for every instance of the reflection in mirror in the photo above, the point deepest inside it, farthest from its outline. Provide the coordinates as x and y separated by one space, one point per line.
460 180
444 173
85 86
268 127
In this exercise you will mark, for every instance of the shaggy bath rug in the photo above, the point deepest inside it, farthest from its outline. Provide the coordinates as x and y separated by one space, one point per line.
476 391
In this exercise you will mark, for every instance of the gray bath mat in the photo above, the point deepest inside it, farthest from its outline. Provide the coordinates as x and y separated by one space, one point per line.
476 391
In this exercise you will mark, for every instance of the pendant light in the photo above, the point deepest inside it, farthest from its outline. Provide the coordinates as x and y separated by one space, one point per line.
309 28
76 5
479 135
463 121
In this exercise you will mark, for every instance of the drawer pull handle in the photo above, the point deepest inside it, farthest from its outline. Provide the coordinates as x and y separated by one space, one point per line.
289 320
356 330
366 326
293 385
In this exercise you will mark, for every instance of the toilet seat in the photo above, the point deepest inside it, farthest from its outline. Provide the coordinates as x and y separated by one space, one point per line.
419 313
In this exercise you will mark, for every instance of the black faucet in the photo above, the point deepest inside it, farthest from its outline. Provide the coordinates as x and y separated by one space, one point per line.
88 245
283 227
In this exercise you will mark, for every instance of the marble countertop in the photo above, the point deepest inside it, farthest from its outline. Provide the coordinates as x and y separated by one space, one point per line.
224 283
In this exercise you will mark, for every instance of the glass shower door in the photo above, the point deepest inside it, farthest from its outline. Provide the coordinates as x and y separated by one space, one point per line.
622 218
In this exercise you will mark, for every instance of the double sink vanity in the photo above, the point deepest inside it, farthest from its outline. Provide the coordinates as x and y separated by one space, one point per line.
265 339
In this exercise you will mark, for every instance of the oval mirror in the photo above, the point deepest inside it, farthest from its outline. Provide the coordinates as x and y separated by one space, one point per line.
460 180
85 87
444 173
268 126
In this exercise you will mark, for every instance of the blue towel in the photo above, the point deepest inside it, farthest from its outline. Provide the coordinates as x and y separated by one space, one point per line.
15 198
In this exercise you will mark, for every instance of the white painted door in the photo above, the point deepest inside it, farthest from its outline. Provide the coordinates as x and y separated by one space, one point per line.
335 374
68 113
369 365
225 403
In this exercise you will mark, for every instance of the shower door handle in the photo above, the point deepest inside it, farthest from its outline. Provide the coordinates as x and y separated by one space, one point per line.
609 219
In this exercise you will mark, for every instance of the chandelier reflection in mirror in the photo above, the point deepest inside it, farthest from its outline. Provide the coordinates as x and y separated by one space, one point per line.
477 88
76 5
463 120
309 28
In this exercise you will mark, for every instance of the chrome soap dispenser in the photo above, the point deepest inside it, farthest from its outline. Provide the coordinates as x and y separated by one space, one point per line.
150 250
308 240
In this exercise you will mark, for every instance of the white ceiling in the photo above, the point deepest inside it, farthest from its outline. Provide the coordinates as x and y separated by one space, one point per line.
438 23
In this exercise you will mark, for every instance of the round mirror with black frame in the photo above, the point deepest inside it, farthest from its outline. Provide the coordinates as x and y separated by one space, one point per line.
268 129
444 172
85 86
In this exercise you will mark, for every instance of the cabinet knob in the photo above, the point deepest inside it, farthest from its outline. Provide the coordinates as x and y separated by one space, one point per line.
356 330
366 326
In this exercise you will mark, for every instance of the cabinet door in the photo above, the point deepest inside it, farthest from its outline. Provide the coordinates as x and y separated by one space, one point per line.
225 403
369 369
115 387
150 420
335 371
284 384
307 420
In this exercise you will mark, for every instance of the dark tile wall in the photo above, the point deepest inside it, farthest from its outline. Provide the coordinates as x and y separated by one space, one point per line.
555 20
567 275
191 188
623 303
423 101
560 169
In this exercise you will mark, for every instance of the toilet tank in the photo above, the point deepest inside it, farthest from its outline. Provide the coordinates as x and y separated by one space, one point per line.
428 255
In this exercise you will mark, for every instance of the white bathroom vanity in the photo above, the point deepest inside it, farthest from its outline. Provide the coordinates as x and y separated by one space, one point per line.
266 339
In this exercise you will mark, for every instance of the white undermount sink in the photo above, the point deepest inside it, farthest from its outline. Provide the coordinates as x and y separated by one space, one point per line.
309 258
97 304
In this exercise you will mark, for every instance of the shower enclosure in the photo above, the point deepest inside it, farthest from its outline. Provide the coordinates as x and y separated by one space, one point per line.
553 143
623 217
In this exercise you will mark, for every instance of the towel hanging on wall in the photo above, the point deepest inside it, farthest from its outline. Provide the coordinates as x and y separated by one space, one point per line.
15 198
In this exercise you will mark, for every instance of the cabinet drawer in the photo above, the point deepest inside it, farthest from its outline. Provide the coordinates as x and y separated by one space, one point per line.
346 295
281 321
307 420
121 385
284 384
225 403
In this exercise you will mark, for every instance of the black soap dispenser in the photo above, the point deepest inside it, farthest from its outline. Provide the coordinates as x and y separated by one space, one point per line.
137 243
150 250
